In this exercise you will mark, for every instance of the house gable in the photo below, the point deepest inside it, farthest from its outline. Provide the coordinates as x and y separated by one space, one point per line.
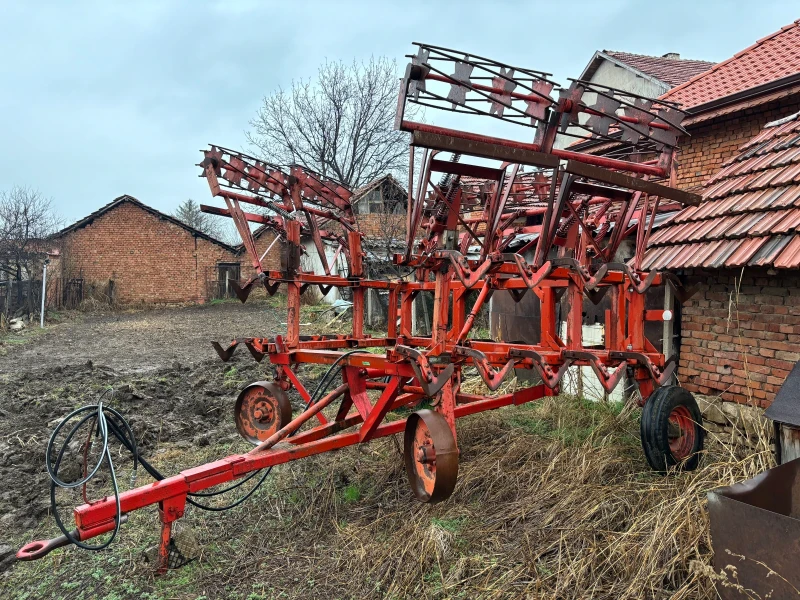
119 201
149 257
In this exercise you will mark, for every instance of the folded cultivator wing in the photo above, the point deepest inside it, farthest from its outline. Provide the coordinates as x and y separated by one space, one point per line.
485 215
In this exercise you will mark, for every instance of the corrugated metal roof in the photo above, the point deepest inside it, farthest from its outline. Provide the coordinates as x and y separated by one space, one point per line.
750 214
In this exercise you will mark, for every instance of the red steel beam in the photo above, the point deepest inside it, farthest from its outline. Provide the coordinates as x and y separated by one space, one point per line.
599 161
89 517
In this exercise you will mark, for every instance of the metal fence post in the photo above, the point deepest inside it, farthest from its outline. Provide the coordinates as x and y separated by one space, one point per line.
44 292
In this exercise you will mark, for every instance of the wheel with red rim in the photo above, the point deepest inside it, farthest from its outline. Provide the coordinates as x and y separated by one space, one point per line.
431 456
262 408
672 429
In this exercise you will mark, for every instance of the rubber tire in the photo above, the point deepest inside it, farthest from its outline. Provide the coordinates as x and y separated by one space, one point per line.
654 429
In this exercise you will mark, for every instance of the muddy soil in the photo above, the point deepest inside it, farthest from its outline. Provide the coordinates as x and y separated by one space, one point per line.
140 341
167 381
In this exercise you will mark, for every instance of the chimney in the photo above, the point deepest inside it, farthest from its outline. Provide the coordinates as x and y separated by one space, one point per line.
673 55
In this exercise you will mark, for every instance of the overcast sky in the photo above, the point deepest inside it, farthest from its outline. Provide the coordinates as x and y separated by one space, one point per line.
105 98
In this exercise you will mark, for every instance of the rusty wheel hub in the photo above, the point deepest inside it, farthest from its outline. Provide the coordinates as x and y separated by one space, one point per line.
681 432
261 409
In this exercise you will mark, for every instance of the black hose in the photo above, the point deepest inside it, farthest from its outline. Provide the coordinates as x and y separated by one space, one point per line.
108 420
98 412
320 389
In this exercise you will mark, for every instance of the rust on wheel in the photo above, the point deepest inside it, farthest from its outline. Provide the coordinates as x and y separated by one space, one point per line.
431 456
681 433
261 409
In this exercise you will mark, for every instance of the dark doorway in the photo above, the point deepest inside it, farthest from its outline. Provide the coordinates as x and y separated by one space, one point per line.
227 273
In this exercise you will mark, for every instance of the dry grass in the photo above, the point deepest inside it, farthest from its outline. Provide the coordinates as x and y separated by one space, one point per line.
559 504
554 500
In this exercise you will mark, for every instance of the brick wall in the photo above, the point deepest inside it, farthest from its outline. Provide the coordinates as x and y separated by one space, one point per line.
380 226
150 259
274 261
737 346
740 334
710 144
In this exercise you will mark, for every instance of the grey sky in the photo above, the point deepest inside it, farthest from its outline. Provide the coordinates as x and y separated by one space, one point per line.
107 98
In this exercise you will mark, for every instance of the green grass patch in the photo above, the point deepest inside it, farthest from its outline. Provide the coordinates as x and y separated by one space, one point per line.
569 419
351 493
452 525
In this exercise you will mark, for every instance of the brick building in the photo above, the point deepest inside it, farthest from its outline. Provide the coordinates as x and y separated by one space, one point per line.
129 252
380 211
739 333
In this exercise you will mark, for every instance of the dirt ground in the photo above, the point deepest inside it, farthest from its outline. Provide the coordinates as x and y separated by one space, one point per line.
167 381
553 500
139 341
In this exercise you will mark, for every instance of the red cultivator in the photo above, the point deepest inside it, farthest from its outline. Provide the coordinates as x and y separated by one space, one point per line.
505 216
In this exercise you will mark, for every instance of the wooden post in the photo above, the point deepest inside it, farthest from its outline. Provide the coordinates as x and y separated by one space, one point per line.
413 316
441 312
574 311
370 307
391 314
292 287
635 316
667 346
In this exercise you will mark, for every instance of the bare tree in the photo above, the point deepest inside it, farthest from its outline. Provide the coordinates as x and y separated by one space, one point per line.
27 220
341 124
189 212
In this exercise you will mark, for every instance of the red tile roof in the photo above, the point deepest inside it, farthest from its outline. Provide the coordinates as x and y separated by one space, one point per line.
673 71
750 214
770 58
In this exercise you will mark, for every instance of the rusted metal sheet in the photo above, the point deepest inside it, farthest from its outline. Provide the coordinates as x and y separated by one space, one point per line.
630 182
755 534
786 406
512 321
789 440
483 146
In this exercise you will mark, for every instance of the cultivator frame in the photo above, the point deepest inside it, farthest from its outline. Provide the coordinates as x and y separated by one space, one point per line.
567 218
